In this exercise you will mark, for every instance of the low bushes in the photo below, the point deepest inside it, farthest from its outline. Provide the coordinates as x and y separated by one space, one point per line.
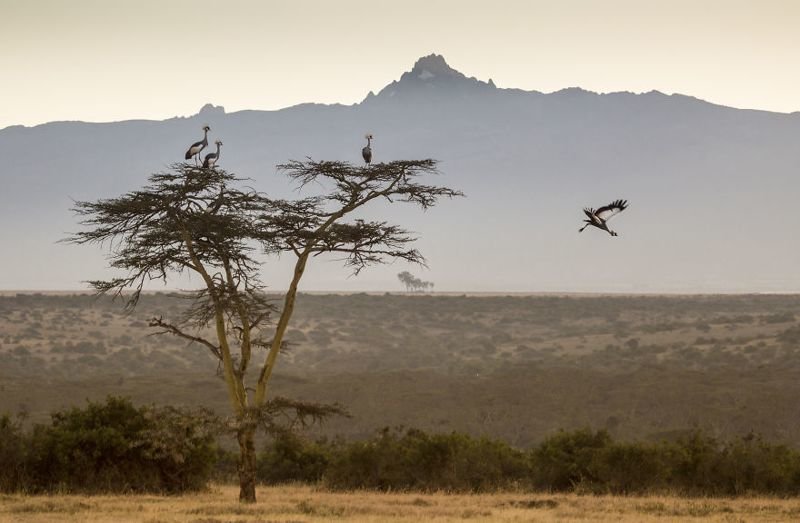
416 460
110 447
289 458
581 460
117 447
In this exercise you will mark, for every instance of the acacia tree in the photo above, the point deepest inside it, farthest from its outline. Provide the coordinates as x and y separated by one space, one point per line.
202 221
413 283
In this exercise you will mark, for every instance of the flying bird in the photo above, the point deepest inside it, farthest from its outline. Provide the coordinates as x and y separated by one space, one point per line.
196 147
211 158
599 217
366 152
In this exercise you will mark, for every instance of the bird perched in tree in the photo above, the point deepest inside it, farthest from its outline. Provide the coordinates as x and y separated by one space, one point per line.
196 147
599 217
366 152
211 158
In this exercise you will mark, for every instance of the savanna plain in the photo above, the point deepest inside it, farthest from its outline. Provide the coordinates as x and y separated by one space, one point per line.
516 368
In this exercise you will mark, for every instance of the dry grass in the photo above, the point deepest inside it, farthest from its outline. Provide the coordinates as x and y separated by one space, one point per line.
305 504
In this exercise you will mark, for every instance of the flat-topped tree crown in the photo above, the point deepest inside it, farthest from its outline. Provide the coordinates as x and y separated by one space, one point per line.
202 221
183 217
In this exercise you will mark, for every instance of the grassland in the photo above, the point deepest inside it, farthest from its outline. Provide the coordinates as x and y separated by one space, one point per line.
295 504
510 367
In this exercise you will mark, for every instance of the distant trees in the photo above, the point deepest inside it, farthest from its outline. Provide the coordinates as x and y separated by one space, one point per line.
201 221
412 283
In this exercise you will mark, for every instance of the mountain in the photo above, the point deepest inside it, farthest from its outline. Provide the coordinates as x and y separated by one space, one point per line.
712 189
431 80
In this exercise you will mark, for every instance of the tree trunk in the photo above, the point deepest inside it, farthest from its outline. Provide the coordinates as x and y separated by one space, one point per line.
247 464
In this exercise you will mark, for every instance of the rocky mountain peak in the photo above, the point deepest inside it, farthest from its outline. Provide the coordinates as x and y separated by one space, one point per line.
432 78
431 66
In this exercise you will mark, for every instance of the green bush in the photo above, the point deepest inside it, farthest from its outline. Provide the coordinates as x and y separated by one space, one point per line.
701 465
629 468
412 459
290 458
180 445
13 454
565 460
116 447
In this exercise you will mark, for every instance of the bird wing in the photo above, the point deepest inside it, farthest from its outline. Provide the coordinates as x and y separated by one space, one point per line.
195 148
589 212
612 209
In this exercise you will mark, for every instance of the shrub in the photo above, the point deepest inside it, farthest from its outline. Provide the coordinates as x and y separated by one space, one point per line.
566 459
412 459
629 468
692 461
289 458
704 466
12 454
116 447
181 445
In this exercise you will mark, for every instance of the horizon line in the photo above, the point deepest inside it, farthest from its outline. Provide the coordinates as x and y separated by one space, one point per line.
84 292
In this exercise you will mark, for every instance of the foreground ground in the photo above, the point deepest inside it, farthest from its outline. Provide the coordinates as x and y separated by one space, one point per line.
306 504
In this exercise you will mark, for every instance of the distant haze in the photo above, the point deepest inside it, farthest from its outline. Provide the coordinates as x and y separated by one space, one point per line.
712 189
107 60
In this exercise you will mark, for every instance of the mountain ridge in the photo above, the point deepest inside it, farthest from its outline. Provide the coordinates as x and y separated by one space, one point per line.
428 63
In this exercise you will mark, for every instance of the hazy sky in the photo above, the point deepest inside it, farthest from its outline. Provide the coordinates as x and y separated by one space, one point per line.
103 60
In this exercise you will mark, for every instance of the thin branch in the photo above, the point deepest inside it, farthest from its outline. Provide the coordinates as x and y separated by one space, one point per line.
172 329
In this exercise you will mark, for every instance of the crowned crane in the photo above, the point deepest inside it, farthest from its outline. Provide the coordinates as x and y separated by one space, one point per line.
366 152
211 158
196 147
599 217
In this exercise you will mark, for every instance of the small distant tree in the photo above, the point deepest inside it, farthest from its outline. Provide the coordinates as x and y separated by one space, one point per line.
202 221
412 283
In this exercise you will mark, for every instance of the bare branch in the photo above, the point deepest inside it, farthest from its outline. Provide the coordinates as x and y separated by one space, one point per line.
172 329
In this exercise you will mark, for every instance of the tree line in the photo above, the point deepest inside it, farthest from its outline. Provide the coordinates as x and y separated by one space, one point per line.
412 283
114 446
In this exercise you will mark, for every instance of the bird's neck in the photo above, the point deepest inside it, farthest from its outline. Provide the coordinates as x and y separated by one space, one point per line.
369 142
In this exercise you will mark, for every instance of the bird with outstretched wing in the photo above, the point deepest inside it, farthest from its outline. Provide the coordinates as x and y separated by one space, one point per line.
599 217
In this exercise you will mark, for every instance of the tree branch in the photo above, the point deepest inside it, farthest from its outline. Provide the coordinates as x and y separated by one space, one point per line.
172 329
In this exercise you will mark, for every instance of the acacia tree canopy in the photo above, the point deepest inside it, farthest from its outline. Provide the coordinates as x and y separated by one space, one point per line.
206 222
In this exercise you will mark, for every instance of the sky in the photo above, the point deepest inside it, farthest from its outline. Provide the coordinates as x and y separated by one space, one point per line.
110 60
